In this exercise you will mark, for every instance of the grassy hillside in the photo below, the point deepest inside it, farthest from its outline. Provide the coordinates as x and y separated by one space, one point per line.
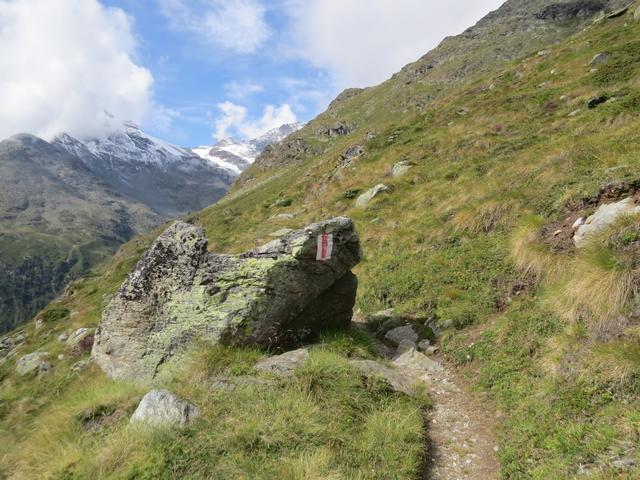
469 234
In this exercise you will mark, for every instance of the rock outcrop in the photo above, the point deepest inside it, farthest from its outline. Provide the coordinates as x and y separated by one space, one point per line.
275 296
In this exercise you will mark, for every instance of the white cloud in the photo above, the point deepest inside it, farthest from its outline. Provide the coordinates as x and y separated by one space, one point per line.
234 120
364 43
238 26
67 65
242 90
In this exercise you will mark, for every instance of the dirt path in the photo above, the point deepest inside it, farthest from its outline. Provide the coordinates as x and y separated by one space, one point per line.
460 440
459 427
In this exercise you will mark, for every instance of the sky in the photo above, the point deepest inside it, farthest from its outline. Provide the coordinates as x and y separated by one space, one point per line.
195 71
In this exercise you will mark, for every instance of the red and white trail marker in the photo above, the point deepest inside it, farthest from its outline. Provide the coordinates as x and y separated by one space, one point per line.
325 247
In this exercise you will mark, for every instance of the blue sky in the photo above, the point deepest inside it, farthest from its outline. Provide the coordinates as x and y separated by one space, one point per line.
193 71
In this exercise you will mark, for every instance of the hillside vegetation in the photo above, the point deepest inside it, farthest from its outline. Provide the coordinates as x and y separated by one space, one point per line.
474 236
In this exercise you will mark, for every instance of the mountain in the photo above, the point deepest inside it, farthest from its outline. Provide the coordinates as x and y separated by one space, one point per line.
467 176
235 156
168 179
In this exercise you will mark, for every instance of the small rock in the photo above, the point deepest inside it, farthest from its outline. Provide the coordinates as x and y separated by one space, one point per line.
574 113
636 15
39 324
63 337
284 364
464 111
599 59
404 382
557 232
162 408
404 346
623 463
595 101
416 361
401 168
61 356
563 98
33 362
281 233
352 152
543 53
423 345
370 136
364 199
396 335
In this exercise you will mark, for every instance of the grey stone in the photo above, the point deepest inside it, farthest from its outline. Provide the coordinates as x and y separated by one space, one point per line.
397 335
416 361
284 364
574 113
352 152
33 362
160 408
277 295
636 15
363 200
423 345
404 382
401 168
604 216
63 337
38 324
404 346
599 59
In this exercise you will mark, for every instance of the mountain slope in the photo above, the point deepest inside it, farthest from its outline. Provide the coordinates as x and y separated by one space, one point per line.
168 179
472 236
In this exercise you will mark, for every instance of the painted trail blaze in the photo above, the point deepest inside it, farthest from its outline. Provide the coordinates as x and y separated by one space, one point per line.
325 247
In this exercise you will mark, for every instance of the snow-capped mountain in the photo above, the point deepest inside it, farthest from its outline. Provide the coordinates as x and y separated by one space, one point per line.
235 156
169 179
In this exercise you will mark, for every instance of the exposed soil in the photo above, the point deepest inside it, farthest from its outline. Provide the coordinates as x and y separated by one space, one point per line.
559 234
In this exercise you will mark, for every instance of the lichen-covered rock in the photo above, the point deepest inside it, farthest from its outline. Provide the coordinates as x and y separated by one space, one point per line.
160 408
415 360
400 381
277 295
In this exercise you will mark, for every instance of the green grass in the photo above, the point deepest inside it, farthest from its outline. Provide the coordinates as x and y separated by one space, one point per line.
325 422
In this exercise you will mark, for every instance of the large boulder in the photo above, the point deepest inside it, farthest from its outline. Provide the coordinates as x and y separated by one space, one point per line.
604 216
161 408
275 296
